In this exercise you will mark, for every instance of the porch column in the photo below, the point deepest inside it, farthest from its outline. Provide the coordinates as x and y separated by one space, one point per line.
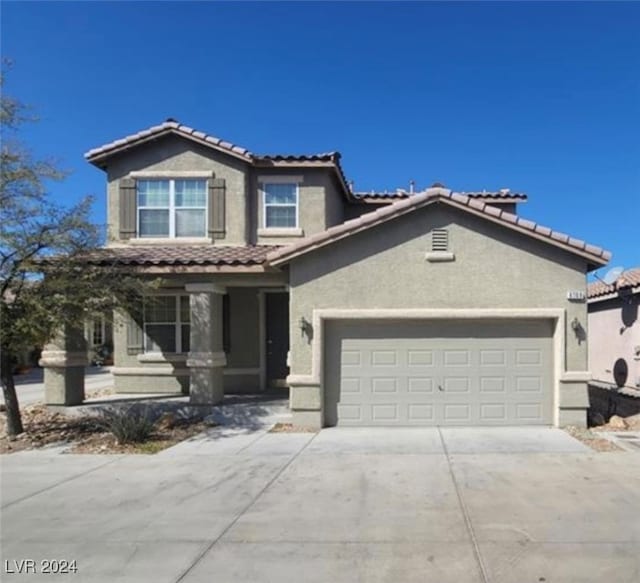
206 358
64 360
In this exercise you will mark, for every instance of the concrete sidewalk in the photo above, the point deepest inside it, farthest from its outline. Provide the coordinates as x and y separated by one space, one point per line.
339 506
30 387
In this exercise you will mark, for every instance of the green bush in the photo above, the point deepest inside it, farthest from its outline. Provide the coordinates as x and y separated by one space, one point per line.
128 424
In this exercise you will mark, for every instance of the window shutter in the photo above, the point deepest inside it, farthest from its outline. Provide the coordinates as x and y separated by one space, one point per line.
216 208
128 208
439 240
135 331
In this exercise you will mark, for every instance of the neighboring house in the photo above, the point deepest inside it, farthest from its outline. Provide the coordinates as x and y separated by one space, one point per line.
99 335
416 308
614 331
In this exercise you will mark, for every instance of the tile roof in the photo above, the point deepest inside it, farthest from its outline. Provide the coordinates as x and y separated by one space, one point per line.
325 157
98 155
628 280
165 255
167 127
596 255
172 126
384 197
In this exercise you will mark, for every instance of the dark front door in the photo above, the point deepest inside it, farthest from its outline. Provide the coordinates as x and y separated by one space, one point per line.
277 307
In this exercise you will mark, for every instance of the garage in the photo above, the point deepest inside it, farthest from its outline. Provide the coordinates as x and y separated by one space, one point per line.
439 372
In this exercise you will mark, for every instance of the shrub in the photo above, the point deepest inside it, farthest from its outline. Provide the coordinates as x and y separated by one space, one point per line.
128 424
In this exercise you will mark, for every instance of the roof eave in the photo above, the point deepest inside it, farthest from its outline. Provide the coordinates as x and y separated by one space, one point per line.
619 293
99 158
593 262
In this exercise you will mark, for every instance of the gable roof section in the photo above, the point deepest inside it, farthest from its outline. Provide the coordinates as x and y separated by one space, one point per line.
629 281
595 255
99 156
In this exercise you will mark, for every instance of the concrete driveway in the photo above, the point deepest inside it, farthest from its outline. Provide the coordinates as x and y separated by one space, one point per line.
345 505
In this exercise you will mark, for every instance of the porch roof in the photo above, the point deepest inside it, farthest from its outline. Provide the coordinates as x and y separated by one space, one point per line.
180 255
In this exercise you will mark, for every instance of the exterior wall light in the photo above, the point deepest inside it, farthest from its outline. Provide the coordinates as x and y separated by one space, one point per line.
306 328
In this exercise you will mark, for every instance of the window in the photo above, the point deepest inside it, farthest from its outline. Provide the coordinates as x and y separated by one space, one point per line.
167 324
97 332
172 208
280 204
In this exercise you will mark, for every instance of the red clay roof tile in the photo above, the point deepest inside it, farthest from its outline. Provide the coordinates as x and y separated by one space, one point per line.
628 280
138 255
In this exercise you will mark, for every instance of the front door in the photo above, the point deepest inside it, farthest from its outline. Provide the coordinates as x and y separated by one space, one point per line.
277 310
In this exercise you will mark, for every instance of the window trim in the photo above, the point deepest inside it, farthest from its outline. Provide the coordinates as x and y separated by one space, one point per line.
97 323
263 181
172 207
177 324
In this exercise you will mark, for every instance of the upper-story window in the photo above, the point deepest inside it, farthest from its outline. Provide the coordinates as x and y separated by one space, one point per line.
172 208
280 204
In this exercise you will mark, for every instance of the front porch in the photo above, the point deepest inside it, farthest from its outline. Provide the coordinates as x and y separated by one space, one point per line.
201 338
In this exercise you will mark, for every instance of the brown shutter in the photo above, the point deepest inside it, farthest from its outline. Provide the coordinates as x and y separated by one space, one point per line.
128 210
135 330
217 208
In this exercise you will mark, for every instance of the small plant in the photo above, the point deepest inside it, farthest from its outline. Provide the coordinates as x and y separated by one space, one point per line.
128 425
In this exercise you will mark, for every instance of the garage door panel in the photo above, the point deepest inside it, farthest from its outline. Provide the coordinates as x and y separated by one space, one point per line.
420 358
493 412
420 384
492 385
384 385
492 357
456 385
471 373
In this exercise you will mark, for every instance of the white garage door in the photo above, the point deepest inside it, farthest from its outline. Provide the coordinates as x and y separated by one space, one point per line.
440 373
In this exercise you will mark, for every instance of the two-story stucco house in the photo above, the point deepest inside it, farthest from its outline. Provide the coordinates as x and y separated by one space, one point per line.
425 308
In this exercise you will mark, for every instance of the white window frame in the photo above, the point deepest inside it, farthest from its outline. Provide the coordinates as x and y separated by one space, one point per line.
172 207
178 324
264 180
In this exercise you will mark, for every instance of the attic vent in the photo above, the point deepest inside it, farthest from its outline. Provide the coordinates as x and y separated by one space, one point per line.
439 240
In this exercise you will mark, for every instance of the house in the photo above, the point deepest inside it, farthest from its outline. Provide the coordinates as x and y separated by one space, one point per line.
614 331
411 308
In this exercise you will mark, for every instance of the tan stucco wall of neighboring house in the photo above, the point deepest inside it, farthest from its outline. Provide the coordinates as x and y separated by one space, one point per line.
384 268
320 204
614 333
175 155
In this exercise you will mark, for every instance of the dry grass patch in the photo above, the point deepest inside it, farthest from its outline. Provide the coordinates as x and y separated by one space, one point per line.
592 439
290 428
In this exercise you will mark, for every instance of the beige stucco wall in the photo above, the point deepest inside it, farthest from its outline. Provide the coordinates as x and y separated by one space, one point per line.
172 154
321 201
245 317
614 332
385 268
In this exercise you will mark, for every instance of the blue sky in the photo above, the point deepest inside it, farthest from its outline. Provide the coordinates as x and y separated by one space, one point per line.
541 98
